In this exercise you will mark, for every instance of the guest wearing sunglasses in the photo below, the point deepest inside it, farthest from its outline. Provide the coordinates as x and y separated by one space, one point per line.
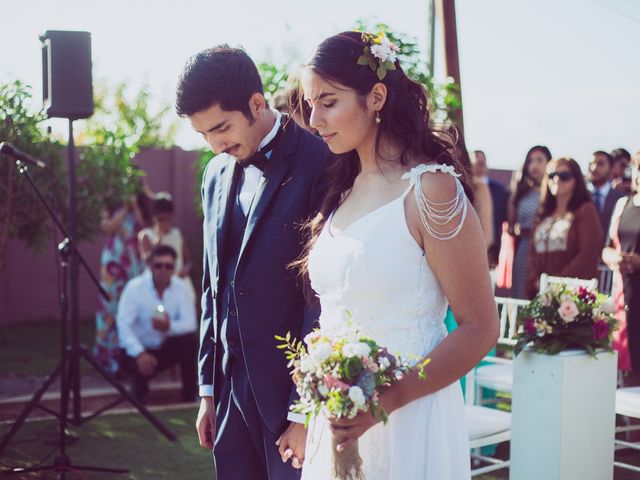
157 324
567 235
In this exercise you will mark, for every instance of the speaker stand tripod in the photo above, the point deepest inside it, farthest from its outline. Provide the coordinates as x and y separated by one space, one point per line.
68 368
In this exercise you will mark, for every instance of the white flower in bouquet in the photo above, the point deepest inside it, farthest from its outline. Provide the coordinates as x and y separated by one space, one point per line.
608 306
358 349
319 353
357 396
311 337
384 363
568 311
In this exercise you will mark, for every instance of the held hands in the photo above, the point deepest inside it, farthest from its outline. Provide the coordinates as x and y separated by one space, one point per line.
206 423
291 444
147 364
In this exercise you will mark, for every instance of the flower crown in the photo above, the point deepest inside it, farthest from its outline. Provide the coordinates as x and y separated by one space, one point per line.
379 53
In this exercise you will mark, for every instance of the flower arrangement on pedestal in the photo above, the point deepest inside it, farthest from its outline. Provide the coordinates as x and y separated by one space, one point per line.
565 317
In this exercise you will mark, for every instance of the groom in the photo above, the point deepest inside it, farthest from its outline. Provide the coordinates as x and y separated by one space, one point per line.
267 179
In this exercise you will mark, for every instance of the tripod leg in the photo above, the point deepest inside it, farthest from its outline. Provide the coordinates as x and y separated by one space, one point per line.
30 406
141 408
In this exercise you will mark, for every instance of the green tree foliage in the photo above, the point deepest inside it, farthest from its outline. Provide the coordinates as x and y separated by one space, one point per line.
21 215
106 144
444 97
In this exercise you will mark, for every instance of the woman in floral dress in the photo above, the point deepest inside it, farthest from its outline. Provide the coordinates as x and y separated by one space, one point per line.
119 262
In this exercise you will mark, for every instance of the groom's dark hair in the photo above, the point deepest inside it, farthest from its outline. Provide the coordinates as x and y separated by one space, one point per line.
220 75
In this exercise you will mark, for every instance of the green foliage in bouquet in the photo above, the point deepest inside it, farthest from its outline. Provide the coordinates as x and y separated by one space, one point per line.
564 317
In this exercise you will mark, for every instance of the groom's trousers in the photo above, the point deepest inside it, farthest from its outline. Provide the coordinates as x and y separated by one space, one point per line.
244 448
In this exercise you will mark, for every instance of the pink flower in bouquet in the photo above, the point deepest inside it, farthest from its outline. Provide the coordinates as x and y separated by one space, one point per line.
332 382
585 295
568 311
600 330
370 365
530 326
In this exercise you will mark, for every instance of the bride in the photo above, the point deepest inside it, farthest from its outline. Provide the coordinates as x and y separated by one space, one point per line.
394 244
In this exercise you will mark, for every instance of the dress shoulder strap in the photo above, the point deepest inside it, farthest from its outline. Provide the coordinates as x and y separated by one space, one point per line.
441 215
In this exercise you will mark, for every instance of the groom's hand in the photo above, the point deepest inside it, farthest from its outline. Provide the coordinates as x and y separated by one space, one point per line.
206 423
291 444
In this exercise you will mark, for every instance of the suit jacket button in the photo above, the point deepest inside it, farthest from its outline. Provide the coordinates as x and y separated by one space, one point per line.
232 313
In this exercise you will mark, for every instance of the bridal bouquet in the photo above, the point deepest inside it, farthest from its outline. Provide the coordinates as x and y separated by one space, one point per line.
564 317
341 375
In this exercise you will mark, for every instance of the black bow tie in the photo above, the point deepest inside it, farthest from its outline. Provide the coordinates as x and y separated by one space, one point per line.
259 159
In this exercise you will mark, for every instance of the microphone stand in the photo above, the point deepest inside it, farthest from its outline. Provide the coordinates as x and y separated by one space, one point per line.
70 353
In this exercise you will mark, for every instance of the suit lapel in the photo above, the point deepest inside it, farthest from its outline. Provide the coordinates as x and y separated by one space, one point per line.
277 167
228 185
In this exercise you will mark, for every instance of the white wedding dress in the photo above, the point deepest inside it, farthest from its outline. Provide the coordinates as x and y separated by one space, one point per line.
375 269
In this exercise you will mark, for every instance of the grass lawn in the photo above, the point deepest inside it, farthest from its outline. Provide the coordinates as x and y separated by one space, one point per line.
34 349
116 441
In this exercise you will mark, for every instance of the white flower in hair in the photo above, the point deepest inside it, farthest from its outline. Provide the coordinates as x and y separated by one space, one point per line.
379 54
385 50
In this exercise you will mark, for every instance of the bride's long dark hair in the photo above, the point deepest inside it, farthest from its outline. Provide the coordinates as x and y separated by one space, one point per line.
404 121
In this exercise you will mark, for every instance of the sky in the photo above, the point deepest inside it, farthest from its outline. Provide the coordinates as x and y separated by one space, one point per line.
562 73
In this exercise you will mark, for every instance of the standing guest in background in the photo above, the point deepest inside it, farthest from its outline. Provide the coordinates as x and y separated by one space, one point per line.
567 236
288 101
157 324
119 262
482 203
622 255
604 197
162 232
620 179
521 211
498 198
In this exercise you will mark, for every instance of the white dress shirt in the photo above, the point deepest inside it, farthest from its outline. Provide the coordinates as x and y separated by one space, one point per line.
253 174
137 306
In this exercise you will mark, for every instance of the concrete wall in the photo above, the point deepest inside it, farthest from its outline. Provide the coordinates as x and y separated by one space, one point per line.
28 282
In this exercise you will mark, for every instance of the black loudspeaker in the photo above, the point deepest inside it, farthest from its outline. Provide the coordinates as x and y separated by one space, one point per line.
67 85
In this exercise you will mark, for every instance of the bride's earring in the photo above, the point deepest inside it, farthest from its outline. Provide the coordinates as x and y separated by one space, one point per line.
378 117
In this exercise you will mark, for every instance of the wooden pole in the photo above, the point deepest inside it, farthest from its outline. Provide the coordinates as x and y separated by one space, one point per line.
446 11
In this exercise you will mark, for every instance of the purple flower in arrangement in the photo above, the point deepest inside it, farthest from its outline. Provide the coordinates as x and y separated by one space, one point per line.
114 269
585 295
530 327
600 330
367 383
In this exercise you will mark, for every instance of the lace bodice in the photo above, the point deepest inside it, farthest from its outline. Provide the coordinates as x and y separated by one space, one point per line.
375 269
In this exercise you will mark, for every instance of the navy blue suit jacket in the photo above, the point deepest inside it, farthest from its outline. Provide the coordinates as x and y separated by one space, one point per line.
269 296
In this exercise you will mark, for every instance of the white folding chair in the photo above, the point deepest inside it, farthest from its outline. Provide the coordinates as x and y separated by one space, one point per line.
547 280
496 373
627 405
487 426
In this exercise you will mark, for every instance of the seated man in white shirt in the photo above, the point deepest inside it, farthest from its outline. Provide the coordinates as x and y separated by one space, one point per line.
157 323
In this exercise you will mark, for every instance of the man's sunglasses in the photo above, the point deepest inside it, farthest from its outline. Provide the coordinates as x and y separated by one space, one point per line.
166 266
562 176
